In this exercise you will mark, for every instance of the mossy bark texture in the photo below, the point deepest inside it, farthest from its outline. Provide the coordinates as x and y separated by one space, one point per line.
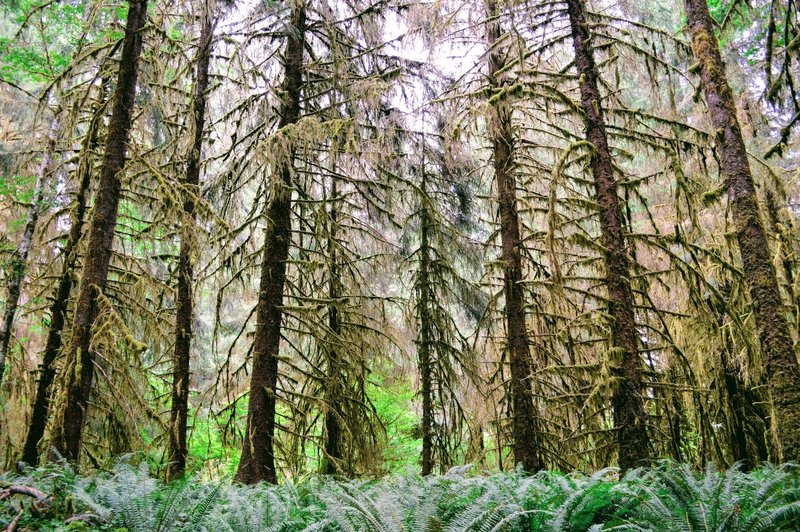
630 418
58 309
425 322
184 314
79 358
769 313
258 449
525 421
333 430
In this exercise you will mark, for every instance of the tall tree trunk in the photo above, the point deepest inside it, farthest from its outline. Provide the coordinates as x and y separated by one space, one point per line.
769 314
333 431
58 309
19 265
425 323
731 389
79 359
184 314
258 454
525 421
630 418
736 410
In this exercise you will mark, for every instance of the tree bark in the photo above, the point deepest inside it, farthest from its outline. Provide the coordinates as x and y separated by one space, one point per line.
630 418
333 431
19 265
184 314
424 296
769 314
736 411
79 359
58 309
258 454
525 422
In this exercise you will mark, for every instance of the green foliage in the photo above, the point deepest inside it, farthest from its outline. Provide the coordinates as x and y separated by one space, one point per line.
392 403
17 187
130 499
207 449
668 497
41 44
673 497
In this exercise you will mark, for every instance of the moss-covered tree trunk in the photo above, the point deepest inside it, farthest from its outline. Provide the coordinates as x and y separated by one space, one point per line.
58 309
15 274
425 296
630 419
184 314
769 313
732 386
258 449
333 430
525 421
738 401
79 358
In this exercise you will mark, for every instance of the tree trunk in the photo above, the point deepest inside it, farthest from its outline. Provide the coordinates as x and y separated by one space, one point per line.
184 314
333 432
769 314
424 296
630 418
58 309
525 419
736 411
79 359
19 265
258 455
743 411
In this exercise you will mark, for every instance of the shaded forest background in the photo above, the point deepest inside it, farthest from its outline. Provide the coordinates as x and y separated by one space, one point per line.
264 238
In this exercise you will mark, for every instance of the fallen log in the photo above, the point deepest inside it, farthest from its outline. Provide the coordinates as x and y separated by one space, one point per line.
81 517
18 489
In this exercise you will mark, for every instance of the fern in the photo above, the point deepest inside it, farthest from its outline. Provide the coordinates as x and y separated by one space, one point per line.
675 498
670 497
131 499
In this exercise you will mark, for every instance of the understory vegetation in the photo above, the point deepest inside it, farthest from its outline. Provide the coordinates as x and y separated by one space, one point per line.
666 497
399 265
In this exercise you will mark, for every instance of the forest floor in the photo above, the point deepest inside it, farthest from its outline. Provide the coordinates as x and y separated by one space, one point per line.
668 496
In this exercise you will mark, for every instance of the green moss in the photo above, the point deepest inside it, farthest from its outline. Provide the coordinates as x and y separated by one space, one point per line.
710 197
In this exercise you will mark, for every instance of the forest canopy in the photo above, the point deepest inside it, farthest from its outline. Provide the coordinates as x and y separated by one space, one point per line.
257 240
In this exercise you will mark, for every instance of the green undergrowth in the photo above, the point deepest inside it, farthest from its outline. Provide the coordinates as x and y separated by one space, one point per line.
668 496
